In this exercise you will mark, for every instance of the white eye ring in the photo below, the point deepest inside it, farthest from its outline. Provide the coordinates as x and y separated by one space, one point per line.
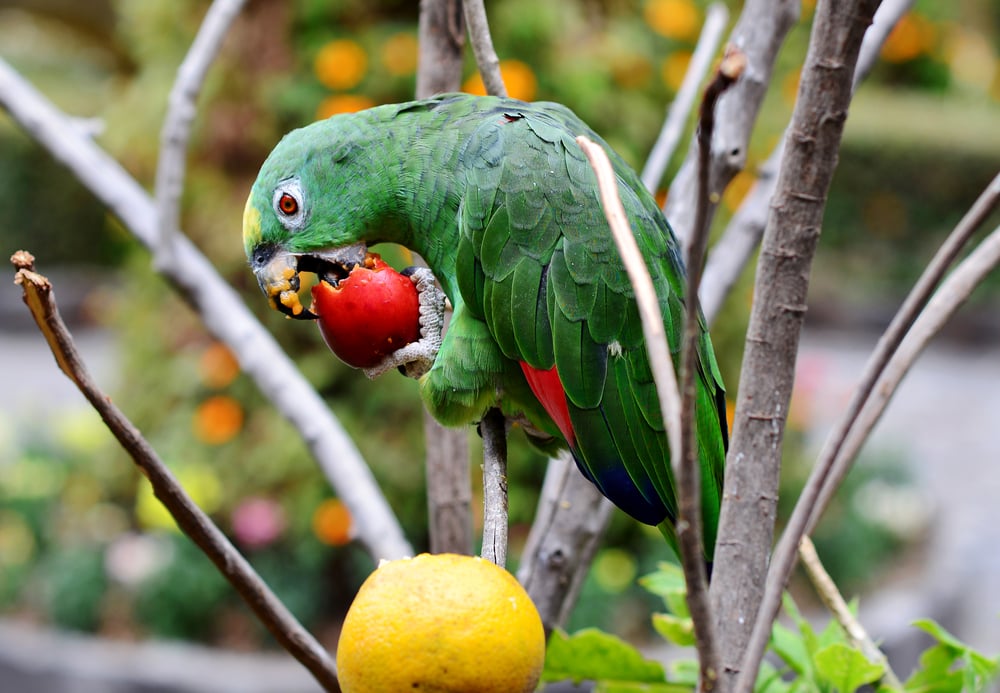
289 204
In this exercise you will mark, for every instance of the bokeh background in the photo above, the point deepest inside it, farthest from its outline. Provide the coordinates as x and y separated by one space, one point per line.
84 545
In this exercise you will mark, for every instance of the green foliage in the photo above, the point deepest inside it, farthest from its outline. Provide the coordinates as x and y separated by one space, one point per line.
75 581
811 661
591 654
182 599
951 665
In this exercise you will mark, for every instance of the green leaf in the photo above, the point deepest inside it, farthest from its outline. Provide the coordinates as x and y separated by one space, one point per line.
679 631
769 680
952 658
809 638
934 673
846 668
618 687
791 647
668 583
590 654
684 672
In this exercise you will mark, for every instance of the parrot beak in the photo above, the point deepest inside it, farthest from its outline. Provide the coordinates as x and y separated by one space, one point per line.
277 272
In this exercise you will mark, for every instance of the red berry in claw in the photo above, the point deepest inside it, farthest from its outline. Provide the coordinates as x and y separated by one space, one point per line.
368 315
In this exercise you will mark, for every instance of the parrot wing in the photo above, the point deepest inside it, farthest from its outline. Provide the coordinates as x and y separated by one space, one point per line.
538 265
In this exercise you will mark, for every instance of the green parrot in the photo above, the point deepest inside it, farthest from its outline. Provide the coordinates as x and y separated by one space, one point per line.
498 198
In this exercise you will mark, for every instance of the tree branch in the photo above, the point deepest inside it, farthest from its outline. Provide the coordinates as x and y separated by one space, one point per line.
690 534
742 236
747 520
180 114
571 519
678 423
759 33
493 428
482 47
859 424
40 299
224 314
449 482
661 365
677 115
442 47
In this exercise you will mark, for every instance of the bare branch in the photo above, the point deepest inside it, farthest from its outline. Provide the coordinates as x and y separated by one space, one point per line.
180 114
40 299
679 424
739 241
690 534
571 519
442 46
831 466
482 47
887 17
834 601
449 482
449 488
759 33
747 520
223 312
677 115
660 362
493 428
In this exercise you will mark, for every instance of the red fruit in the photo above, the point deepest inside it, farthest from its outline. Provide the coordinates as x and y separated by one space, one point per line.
368 315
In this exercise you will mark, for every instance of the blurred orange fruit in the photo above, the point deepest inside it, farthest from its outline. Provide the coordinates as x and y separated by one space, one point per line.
331 522
342 103
218 419
912 36
399 54
676 19
340 64
218 366
517 77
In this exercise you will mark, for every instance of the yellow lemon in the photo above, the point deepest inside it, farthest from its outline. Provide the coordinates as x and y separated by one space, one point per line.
441 623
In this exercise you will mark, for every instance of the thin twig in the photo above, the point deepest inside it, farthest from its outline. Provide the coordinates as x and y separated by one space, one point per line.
886 18
671 408
834 601
741 237
781 289
677 115
759 32
660 362
839 451
687 467
493 428
180 115
39 298
222 311
482 47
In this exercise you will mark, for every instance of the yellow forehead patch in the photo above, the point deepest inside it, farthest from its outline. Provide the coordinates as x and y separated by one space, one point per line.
251 224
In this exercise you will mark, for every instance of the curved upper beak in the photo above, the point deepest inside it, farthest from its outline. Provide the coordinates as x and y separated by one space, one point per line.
277 271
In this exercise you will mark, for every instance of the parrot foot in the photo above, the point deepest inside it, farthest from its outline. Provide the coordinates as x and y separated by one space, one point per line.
416 358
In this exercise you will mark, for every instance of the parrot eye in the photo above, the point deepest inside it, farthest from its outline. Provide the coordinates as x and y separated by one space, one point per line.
288 204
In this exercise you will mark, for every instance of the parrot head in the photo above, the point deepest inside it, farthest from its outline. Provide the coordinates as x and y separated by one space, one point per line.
306 213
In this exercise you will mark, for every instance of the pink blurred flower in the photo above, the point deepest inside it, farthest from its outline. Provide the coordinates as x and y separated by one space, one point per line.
258 522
